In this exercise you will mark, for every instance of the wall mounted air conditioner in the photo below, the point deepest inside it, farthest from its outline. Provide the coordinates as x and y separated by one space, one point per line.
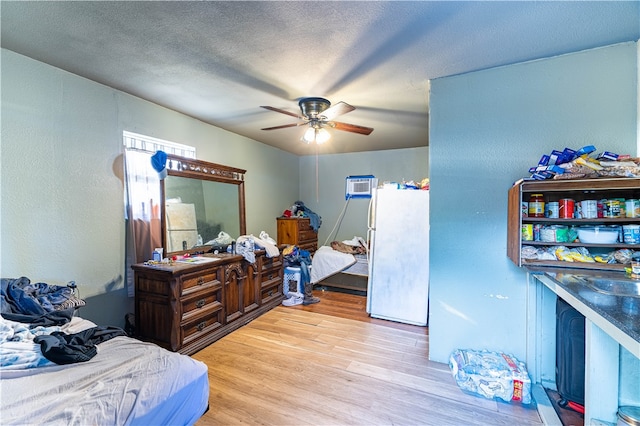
359 186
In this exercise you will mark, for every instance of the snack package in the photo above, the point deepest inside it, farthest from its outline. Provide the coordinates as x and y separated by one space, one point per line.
491 375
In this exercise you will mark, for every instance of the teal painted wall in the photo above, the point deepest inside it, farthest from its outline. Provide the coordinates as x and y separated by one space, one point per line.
486 129
62 204
328 197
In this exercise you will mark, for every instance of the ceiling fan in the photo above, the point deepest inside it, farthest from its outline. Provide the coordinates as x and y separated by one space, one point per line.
318 113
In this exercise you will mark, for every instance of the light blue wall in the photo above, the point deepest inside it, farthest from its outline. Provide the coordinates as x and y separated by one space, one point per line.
328 200
486 129
62 208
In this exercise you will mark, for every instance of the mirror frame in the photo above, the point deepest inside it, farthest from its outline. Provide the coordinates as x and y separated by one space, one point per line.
201 170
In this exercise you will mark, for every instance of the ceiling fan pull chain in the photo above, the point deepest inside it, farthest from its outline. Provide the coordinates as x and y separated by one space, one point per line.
317 187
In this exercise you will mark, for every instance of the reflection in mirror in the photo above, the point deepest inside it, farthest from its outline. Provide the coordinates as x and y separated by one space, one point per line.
200 201
198 210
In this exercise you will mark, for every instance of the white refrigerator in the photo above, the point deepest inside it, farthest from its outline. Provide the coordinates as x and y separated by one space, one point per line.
398 232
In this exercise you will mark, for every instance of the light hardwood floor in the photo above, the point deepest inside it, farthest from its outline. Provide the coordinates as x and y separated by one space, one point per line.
298 366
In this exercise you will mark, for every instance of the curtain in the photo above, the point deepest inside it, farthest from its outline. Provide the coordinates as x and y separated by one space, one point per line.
142 198
142 211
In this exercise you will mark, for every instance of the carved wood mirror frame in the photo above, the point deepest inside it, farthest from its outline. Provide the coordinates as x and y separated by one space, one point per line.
202 170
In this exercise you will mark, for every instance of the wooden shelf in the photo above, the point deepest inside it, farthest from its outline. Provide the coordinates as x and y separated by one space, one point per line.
579 189
598 221
580 265
579 244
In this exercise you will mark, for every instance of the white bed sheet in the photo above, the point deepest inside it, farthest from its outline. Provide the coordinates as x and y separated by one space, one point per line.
128 382
327 261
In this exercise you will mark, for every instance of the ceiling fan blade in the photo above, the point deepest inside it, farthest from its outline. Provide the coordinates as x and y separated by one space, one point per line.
283 126
281 111
354 128
337 109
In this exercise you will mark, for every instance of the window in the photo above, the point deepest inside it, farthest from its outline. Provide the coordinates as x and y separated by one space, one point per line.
142 197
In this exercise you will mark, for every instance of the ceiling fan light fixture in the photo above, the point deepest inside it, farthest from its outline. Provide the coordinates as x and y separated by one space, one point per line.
322 136
316 134
309 136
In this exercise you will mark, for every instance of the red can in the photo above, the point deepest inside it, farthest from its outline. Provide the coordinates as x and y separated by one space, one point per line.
566 208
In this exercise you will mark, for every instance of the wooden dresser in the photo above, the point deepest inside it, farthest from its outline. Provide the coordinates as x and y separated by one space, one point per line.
185 307
297 231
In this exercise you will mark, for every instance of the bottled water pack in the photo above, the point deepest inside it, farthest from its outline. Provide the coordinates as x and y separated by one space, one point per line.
491 375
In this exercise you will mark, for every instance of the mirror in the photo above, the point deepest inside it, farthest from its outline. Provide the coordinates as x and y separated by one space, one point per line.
200 200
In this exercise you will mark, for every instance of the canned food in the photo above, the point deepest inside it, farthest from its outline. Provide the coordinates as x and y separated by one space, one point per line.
552 210
632 208
601 208
566 208
589 209
612 208
527 232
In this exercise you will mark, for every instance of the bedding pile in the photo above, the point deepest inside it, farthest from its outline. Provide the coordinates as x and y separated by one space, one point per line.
37 303
30 329
79 373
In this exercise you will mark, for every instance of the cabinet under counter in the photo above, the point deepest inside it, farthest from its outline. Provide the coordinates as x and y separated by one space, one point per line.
612 336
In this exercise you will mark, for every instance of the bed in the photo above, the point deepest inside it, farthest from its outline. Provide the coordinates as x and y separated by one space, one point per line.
126 382
327 262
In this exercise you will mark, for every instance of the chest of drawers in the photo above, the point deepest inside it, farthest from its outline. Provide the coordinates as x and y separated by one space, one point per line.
297 231
185 307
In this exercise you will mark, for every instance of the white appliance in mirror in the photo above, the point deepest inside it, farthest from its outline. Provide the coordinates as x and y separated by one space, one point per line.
182 229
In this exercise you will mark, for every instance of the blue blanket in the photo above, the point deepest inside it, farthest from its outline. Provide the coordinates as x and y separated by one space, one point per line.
34 303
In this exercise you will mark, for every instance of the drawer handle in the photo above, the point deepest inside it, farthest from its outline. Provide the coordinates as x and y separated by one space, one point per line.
200 303
200 280
202 325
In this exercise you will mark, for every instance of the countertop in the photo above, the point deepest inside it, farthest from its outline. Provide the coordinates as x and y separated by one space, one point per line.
621 312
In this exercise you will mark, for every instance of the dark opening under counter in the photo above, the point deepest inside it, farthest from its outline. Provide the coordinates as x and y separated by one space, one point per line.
617 315
612 337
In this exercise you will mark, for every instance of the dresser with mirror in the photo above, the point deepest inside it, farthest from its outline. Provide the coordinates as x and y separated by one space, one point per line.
206 292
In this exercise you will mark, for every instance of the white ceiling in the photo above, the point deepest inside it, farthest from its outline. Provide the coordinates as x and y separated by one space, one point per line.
220 61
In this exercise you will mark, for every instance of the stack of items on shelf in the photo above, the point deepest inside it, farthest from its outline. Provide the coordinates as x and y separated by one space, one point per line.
583 163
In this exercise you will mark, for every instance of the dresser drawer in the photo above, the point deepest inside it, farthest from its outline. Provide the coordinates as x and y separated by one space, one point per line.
307 235
304 225
192 281
199 326
271 274
271 263
201 301
271 290
312 247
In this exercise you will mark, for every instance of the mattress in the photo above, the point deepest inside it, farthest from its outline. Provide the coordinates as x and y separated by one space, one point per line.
128 382
360 268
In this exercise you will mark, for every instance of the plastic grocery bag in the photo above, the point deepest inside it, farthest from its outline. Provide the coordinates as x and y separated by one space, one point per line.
491 375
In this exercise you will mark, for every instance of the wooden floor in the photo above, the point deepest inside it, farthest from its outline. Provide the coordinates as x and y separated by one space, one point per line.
330 364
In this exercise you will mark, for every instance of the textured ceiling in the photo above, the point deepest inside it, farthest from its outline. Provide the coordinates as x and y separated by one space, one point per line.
220 61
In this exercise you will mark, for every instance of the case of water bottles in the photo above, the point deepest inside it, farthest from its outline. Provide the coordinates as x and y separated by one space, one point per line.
491 375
